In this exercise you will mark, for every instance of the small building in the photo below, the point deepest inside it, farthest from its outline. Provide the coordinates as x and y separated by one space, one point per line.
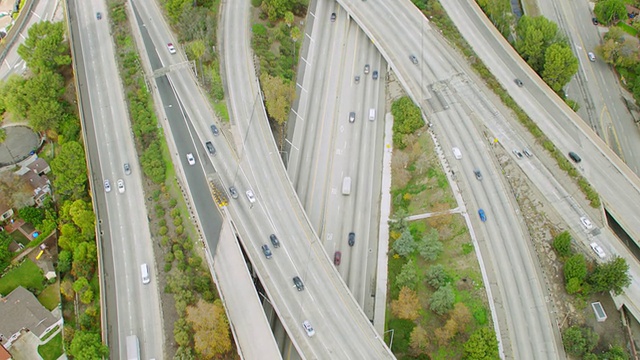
20 312
40 184
601 316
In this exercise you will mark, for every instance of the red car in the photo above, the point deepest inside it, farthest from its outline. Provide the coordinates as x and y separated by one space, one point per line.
337 257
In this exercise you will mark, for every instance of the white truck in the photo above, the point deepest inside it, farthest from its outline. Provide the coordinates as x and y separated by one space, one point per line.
133 348
346 185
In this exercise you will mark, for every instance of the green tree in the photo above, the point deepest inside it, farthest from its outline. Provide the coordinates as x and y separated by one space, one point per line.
407 117
45 47
482 345
610 276
609 11
573 286
534 36
14 98
408 276
436 276
3 135
70 237
405 243
70 170
5 254
442 300
65 258
559 66
573 341
153 164
32 215
43 93
84 259
575 268
562 244
83 217
87 346
430 246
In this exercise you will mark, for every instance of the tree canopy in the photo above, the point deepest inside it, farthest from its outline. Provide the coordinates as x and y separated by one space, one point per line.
608 11
482 345
70 170
45 48
610 276
559 66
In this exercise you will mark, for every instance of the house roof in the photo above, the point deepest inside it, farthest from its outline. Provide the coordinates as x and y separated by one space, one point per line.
36 181
4 353
21 310
4 208
39 165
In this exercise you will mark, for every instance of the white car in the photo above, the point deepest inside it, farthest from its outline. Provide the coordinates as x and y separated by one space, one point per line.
191 159
586 222
107 185
308 328
457 153
598 250
172 48
592 56
250 196
120 186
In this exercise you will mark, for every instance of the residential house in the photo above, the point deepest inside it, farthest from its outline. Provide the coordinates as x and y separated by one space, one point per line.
40 184
20 312
5 212
39 166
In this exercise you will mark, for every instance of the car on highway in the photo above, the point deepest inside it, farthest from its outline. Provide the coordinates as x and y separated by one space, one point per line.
99 15
266 251
333 17
414 59
598 250
233 192
337 257
586 222
172 49
456 153
356 79
366 69
478 174
352 238
127 169
526 152
594 20
214 130
352 117
308 328
274 240
375 75
107 185
575 157
190 159
298 283
519 82
517 153
592 56
120 186
483 216
250 196
210 148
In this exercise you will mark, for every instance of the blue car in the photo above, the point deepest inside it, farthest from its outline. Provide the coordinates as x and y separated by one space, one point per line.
483 216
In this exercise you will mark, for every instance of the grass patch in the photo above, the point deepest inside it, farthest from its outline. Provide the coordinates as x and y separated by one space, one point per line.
627 28
18 237
220 108
51 332
50 296
27 275
53 349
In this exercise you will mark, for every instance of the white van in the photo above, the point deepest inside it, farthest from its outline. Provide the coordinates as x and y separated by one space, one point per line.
372 114
144 268
346 185
456 153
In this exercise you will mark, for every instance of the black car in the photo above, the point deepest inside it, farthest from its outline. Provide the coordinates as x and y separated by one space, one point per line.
99 15
375 75
414 59
352 238
333 17
298 283
266 251
519 82
127 169
478 174
352 117
214 130
233 192
210 147
274 240
594 21
575 157
356 79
